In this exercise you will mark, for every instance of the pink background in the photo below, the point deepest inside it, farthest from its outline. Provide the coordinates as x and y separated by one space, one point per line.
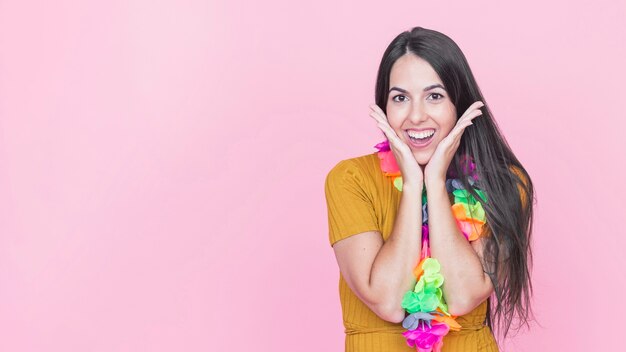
162 164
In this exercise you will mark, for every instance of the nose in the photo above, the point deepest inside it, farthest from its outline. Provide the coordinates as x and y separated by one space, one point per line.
417 114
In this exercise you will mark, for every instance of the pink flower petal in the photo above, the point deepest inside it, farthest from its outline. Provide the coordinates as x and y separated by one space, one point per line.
388 162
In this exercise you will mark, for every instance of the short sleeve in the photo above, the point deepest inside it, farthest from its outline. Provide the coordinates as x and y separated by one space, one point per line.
349 204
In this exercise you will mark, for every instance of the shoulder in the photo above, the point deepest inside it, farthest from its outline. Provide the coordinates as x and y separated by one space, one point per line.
361 169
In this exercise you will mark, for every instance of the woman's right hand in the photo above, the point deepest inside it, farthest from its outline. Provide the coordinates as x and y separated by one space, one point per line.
410 169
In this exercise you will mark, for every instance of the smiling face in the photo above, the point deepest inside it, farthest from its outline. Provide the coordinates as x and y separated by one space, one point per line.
419 105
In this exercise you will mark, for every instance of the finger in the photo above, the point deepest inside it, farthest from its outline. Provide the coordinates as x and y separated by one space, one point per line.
469 116
396 142
471 113
381 116
378 109
384 125
378 113
459 133
379 119
389 133
477 104
377 116
474 107
458 130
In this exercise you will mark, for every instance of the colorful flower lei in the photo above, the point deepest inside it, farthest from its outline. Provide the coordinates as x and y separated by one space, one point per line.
429 320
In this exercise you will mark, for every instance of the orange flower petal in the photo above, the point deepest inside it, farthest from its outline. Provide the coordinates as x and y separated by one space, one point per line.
459 211
448 320
419 270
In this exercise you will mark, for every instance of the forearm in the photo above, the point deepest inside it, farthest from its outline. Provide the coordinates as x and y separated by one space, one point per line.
460 265
392 271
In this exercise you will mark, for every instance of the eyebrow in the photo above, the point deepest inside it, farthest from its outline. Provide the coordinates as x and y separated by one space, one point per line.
432 86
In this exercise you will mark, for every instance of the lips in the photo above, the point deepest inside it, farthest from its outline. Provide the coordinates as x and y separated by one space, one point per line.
421 134
420 143
419 129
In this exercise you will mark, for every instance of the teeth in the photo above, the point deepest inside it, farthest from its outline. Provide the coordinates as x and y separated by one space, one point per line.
422 134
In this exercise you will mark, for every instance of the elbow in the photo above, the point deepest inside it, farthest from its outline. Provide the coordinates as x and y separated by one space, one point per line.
465 304
458 310
390 312
386 305
464 307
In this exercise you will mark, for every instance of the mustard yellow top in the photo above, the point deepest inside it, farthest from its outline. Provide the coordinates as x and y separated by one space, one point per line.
359 199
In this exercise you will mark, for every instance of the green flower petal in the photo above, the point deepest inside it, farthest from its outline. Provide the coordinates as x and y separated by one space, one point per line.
464 196
482 195
419 286
436 280
430 290
461 196
410 302
398 183
431 265
444 307
476 211
429 303
429 279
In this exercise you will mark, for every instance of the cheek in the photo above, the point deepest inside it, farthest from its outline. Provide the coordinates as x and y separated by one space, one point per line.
395 118
448 120
449 124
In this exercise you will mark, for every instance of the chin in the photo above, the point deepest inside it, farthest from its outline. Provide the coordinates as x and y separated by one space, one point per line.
422 159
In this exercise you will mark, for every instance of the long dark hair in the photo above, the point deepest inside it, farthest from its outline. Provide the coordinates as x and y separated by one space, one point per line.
510 193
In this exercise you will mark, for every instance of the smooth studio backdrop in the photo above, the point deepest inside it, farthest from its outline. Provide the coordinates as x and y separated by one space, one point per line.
162 164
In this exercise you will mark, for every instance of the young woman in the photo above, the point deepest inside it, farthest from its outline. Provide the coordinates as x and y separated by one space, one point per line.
437 223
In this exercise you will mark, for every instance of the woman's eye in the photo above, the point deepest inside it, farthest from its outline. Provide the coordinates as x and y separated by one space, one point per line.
397 96
437 94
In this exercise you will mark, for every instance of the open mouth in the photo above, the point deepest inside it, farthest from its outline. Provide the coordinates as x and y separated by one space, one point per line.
421 138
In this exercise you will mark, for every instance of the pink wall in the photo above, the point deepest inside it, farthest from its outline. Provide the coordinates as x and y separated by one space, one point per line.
162 164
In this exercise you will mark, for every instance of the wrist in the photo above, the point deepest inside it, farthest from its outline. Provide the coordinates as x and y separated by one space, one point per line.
413 187
435 183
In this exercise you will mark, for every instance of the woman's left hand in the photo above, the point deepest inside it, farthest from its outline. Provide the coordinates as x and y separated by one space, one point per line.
439 162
